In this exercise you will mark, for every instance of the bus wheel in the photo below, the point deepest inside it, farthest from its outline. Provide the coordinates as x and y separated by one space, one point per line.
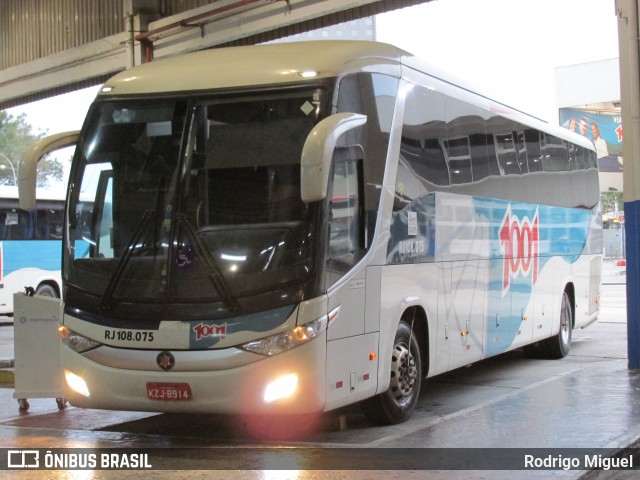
559 345
46 290
397 404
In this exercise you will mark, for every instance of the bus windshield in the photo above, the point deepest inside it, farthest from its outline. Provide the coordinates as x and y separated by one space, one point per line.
191 209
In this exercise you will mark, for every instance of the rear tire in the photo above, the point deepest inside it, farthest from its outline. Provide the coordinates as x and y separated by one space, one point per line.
559 345
397 404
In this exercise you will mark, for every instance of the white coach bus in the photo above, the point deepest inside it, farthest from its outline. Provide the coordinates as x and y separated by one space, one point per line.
298 227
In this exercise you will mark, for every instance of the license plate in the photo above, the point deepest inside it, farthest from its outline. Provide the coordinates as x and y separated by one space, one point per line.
173 392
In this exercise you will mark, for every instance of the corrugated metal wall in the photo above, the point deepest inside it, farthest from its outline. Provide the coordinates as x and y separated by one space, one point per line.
173 7
33 29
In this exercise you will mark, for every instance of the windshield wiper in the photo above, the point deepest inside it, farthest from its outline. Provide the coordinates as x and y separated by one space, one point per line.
211 268
124 260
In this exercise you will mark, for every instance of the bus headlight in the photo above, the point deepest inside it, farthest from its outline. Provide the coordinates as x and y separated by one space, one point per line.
75 341
284 341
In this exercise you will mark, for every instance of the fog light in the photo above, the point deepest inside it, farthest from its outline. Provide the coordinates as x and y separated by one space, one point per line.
283 387
76 383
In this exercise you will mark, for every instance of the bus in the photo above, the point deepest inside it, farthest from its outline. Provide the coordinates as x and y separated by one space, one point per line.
30 245
293 228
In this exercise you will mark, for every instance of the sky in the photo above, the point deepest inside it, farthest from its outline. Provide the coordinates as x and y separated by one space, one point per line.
58 114
508 48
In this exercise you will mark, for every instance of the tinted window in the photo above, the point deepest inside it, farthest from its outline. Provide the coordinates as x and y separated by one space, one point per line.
503 132
372 95
422 151
532 145
555 155
465 121
459 155
522 152
584 158
483 157
345 245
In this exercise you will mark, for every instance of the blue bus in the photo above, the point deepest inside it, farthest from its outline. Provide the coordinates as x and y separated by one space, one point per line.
30 245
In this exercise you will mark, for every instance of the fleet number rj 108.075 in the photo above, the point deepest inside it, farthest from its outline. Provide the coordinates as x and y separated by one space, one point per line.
129 335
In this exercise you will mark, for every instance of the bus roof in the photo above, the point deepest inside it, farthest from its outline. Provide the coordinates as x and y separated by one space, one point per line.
249 66
282 63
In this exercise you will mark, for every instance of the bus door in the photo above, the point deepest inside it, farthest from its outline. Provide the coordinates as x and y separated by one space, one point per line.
351 348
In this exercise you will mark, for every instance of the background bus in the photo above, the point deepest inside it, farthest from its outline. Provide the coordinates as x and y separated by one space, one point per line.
30 245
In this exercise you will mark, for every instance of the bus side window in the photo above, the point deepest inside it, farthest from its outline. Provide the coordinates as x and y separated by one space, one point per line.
16 223
507 156
103 226
372 95
482 163
534 155
555 154
346 225
468 161
422 148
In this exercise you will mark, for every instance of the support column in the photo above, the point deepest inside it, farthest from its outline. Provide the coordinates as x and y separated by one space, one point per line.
627 12
138 14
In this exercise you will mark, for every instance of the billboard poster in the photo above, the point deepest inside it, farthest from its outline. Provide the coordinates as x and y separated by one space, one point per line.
604 130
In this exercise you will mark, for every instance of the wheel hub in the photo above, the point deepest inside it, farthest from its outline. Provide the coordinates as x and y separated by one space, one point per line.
403 372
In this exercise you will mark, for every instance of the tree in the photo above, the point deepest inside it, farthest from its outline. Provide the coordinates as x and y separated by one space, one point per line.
16 136
612 201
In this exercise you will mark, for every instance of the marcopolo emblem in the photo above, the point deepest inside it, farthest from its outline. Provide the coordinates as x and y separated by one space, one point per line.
165 360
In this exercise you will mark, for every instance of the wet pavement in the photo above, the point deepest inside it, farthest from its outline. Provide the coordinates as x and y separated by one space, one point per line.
508 405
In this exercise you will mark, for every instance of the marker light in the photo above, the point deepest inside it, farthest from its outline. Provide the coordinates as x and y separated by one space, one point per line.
282 387
76 383
308 74
75 341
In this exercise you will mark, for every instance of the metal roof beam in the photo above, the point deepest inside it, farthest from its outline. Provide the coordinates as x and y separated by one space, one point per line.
259 19
95 59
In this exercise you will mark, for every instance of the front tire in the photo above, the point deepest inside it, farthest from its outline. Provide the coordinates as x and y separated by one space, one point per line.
397 404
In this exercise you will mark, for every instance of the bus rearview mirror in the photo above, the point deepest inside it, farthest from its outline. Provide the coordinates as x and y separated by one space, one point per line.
317 153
